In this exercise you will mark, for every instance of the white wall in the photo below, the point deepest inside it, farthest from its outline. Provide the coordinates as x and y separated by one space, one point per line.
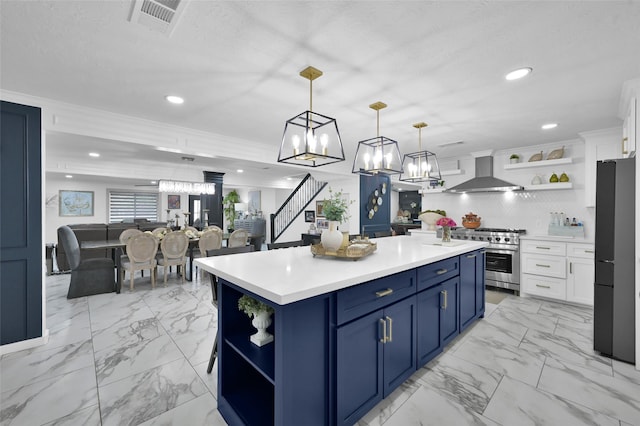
524 210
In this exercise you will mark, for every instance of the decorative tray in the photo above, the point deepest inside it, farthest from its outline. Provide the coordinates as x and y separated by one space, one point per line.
355 250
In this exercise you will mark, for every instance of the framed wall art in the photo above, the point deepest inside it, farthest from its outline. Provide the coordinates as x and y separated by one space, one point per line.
322 224
309 216
75 203
173 202
319 209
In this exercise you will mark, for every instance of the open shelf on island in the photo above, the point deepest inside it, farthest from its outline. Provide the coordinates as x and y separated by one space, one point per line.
542 163
549 186
261 358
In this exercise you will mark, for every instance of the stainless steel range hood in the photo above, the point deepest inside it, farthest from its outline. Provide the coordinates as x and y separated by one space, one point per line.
484 180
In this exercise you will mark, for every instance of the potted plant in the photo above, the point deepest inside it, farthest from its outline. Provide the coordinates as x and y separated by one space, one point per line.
261 314
229 208
515 158
336 211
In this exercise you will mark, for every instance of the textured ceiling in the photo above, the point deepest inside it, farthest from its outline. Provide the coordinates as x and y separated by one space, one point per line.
236 63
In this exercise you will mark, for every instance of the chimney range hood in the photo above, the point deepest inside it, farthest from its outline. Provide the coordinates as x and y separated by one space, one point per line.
484 180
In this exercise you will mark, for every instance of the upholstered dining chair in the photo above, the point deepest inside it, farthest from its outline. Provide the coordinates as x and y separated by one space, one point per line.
209 240
214 228
214 291
141 251
174 249
238 238
88 276
124 237
160 231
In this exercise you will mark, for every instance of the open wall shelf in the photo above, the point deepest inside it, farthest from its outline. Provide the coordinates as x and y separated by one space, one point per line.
549 186
543 163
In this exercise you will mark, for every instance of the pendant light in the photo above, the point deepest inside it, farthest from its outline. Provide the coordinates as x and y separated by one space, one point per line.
311 139
421 166
379 155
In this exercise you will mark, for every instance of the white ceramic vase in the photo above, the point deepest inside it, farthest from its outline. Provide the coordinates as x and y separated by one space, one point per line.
331 238
430 219
261 321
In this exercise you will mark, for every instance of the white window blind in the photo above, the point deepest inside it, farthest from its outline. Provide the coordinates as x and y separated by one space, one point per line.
126 206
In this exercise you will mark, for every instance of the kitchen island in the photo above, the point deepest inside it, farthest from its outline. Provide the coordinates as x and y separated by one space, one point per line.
347 333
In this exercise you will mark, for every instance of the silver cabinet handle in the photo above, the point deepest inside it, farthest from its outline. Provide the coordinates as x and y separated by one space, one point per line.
589 251
571 267
390 339
384 331
543 286
543 248
441 271
471 256
383 293
445 294
543 266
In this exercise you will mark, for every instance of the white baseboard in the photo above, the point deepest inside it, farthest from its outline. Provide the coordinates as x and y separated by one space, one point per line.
25 344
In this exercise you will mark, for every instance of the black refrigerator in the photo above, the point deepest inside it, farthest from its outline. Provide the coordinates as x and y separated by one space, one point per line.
614 293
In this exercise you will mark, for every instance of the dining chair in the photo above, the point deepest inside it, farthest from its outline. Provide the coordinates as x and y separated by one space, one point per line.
174 249
209 240
192 229
238 238
275 246
160 231
214 228
124 237
214 291
88 276
141 251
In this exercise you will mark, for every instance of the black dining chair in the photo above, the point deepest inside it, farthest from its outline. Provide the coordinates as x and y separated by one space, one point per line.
275 246
88 276
214 291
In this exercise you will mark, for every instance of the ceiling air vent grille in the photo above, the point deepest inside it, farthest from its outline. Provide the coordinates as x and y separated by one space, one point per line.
160 15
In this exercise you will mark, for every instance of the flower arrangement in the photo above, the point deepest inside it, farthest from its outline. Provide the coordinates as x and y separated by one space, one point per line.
251 306
189 233
446 222
336 208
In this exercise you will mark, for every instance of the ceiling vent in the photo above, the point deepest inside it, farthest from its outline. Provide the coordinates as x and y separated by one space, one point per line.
159 15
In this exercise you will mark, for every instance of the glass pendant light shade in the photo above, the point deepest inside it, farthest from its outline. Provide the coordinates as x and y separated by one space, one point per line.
379 155
311 139
420 166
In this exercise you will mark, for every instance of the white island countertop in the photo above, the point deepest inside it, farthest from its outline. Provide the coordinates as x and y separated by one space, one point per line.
289 275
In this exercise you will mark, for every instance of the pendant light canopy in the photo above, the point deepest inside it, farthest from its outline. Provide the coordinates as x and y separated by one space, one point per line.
379 155
421 166
311 139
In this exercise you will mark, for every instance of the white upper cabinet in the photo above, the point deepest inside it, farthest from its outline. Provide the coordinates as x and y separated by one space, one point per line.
598 145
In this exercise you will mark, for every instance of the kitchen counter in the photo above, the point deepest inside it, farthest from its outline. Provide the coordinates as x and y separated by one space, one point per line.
293 274
567 239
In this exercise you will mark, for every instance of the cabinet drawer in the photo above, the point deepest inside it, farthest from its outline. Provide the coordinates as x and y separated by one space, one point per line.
435 273
554 288
359 300
550 266
585 251
543 247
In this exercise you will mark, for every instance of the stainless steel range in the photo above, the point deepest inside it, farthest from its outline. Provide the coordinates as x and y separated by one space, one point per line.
502 268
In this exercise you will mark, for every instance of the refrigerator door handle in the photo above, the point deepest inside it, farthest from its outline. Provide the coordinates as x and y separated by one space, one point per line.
606 261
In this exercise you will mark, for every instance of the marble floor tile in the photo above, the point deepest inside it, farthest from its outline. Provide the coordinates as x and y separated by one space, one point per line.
121 313
210 380
460 381
489 308
522 304
566 311
426 406
516 403
509 317
74 330
196 346
118 362
89 416
199 411
144 396
566 350
127 333
189 318
614 397
501 358
50 399
629 372
575 330
22 368
498 331
386 408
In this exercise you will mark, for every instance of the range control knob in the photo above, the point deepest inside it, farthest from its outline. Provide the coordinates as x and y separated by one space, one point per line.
473 238
489 239
507 239
497 238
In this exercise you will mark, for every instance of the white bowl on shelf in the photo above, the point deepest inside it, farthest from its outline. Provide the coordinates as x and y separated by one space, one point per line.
430 219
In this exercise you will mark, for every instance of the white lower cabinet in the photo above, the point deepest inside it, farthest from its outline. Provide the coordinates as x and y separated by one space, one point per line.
558 270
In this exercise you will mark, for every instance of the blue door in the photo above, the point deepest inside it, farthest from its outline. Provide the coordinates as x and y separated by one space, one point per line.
20 223
468 288
450 318
428 327
400 348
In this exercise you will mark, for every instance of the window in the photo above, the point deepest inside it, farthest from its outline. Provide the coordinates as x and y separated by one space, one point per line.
126 206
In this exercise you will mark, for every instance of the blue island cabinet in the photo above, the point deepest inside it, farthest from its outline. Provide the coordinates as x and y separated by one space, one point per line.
472 291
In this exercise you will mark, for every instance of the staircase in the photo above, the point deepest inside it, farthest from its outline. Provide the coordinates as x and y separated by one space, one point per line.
299 199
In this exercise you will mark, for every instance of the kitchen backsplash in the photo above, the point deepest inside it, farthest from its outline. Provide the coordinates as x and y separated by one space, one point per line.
525 210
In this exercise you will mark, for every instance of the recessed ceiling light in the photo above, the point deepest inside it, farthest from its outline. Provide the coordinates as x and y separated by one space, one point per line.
240 171
174 99
94 154
289 178
68 176
549 126
153 182
519 73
